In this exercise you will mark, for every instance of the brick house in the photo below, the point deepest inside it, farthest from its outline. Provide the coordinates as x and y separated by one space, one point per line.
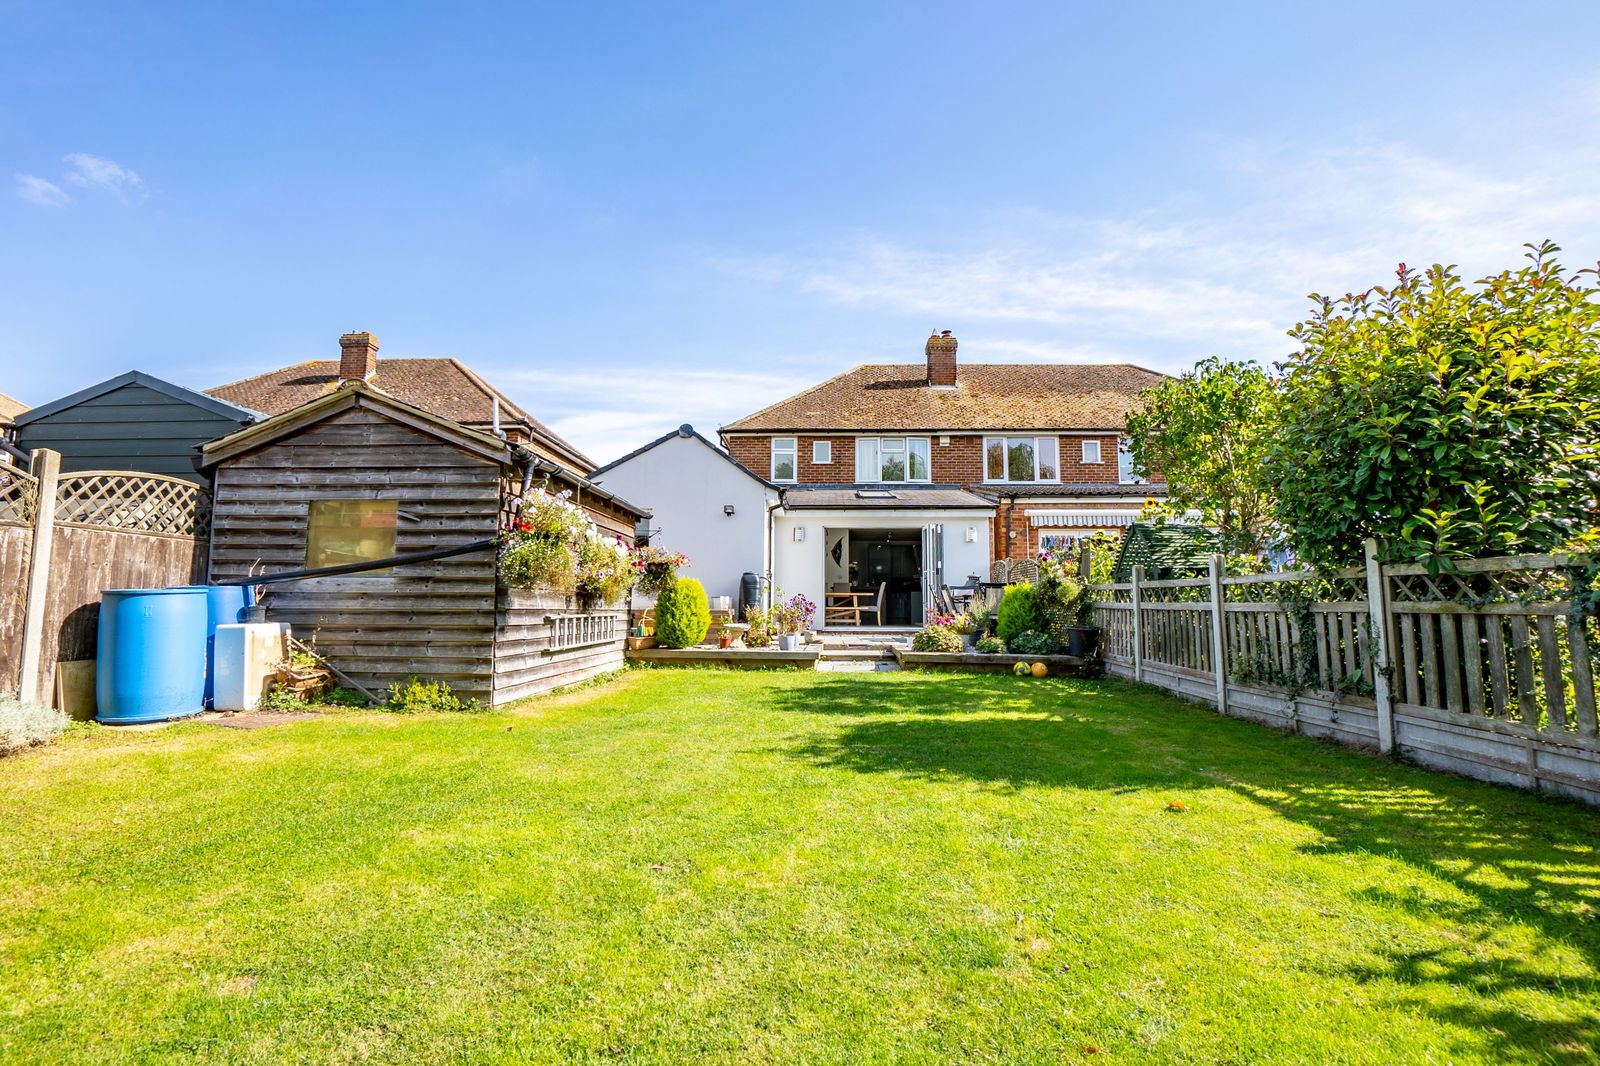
983 461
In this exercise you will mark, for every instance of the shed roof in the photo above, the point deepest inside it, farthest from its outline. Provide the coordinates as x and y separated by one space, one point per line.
986 396
446 387
360 394
222 407
1169 550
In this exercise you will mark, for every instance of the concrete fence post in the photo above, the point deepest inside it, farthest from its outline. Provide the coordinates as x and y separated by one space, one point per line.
1138 622
1219 641
45 465
1378 620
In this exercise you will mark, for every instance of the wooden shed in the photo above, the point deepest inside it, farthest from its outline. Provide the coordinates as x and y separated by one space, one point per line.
132 422
358 475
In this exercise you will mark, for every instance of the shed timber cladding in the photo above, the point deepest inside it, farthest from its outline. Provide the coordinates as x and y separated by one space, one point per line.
436 619
1005 397
446 619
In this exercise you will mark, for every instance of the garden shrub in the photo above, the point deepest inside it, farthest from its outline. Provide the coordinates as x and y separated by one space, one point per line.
1444 419
991 646
683 614
1033 642
22 725
1019 612
417 696
936 638
759 635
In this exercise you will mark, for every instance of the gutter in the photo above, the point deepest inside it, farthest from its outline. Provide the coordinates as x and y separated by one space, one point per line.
542 465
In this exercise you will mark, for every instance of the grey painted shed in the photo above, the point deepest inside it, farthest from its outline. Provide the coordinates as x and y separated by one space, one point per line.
132 422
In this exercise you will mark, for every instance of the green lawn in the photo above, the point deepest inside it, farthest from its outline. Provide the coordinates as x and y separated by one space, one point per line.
685 866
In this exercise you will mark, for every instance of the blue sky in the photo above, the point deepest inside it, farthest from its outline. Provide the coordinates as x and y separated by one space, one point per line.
635 215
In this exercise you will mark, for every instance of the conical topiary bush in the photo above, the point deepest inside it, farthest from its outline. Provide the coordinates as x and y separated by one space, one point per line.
683 614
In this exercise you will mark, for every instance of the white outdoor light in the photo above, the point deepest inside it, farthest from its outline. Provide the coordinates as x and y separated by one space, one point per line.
972 534
799 534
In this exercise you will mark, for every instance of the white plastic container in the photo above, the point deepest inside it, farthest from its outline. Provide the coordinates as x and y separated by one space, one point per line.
246 658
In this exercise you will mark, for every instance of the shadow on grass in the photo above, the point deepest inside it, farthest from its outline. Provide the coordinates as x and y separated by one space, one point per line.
1517 859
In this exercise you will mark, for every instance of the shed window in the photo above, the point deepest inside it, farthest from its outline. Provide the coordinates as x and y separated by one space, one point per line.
339 532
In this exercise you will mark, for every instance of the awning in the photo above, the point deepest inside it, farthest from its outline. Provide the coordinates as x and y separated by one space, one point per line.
1098 519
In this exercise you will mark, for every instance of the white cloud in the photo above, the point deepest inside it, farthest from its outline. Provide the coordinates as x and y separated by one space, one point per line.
1228 275
93 172
41 192
609 412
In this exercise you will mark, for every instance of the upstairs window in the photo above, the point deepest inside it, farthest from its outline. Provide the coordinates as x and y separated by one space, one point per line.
822 452
339 532
1125 472
880 459
1021 459
1091 451
783 458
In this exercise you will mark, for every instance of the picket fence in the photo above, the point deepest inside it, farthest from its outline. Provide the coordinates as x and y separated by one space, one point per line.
1487 671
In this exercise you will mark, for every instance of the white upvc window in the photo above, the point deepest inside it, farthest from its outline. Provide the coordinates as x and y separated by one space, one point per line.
1091 451
783 458
1021 459
822 452
885 459
1125 472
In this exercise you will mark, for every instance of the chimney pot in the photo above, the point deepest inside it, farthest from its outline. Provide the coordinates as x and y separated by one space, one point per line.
941 353
358 357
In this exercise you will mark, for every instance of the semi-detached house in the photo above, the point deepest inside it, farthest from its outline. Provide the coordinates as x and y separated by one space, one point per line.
914 475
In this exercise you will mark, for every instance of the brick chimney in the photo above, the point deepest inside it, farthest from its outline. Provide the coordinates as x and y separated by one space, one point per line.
941 352
358 357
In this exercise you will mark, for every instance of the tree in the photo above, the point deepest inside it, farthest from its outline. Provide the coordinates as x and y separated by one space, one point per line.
1445 420
1207 433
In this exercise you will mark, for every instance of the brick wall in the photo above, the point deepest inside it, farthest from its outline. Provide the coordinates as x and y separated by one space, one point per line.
958 463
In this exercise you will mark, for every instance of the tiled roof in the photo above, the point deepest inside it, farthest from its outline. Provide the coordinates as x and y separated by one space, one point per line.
1000 396
10 408
834 497
443 387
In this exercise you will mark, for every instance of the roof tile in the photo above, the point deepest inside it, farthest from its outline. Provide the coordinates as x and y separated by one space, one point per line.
1002 396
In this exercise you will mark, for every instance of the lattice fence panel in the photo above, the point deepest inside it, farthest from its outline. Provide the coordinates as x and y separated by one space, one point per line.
19 495
135 503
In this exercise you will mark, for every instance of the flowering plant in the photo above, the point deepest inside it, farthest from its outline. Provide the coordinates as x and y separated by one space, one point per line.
759 635
604 571
794 614
655 569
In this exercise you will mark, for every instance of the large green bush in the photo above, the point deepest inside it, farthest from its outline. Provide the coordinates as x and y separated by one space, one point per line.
1444 420
1034 642
1019 612
683 614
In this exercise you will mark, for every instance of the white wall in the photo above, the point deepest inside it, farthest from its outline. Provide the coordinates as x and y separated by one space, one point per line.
800 566
686 484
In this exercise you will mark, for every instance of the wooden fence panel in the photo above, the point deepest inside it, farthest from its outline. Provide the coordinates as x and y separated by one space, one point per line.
1491 672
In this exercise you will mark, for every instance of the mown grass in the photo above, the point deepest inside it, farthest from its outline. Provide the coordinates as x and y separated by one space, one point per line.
686 866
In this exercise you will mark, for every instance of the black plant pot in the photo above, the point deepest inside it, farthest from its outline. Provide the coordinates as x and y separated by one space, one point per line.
1083 641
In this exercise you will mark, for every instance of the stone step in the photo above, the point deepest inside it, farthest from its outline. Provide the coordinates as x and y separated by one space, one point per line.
856 654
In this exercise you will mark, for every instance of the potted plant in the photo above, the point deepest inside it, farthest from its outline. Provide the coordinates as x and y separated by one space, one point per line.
604 575
758 633
1068 603
791 617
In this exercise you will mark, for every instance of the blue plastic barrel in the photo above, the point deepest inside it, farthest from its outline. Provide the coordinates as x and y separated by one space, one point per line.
151 664
225 605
